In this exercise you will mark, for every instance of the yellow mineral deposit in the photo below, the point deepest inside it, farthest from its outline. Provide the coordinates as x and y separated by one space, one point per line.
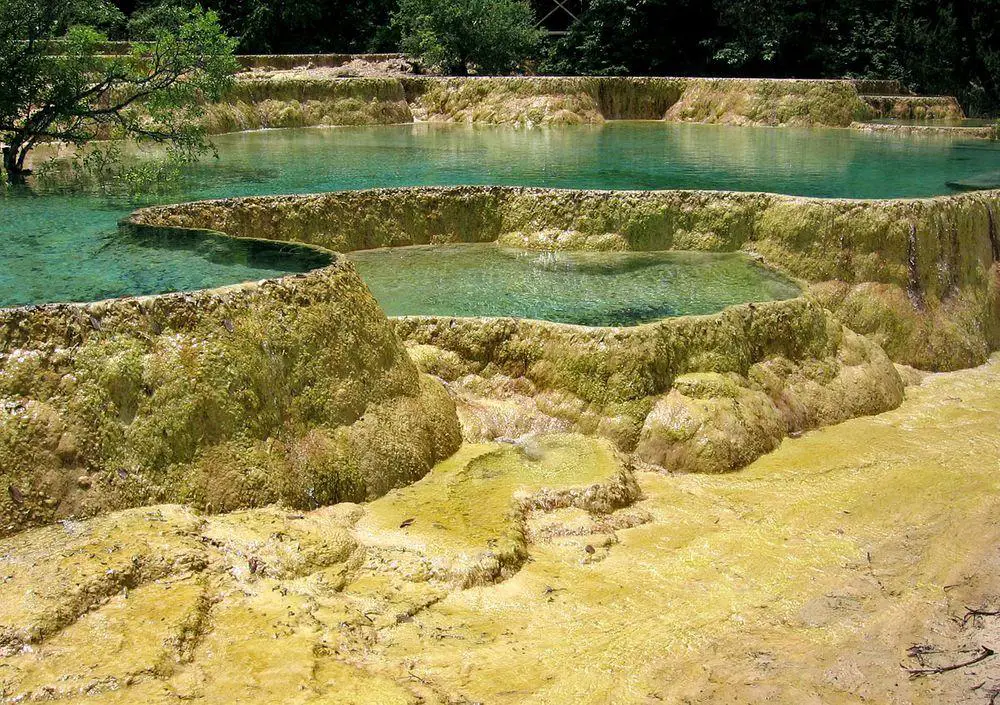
548 571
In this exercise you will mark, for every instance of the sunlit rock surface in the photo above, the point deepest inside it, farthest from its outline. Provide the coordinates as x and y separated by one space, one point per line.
698 394
818 574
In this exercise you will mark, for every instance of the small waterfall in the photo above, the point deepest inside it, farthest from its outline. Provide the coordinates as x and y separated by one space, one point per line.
913 282
994 237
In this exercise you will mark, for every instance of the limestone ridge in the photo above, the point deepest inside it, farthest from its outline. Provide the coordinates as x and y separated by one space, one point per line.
916 278
767 370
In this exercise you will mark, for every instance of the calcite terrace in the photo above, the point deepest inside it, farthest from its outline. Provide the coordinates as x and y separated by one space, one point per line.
912 282
298 97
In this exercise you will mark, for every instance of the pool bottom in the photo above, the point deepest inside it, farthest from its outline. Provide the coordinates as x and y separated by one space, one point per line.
583 288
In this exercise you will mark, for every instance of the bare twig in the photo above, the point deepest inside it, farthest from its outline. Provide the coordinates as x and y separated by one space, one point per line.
984 653
974 612
871 569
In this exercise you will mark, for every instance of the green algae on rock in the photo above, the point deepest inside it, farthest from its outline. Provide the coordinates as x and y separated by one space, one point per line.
467 520
255 103
261 604
221 398
910 107
294 389
916 276
764 371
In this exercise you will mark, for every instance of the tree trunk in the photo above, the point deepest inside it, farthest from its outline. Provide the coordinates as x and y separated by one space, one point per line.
13 163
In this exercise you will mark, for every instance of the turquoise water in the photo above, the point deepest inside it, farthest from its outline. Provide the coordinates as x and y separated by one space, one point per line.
586 288
64 247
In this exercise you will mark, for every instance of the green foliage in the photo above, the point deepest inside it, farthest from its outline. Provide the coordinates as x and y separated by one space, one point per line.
303 26
59 86
493 36
636 37
950 47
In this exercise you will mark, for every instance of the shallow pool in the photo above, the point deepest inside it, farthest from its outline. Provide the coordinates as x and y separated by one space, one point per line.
64 247
586 288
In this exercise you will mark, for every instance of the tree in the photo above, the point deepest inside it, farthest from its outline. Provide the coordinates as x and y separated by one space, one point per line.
637 37
302 26
56 86
494 36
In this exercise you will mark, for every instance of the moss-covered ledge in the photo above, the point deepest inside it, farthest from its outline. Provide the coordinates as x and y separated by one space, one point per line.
293 389
918 276
695 393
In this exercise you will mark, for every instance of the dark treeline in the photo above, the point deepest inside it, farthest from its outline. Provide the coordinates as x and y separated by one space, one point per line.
932 46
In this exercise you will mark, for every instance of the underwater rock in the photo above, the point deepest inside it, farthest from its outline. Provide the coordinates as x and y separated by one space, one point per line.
981 182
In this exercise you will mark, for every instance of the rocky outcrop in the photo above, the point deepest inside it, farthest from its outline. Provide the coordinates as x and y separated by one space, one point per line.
221 398
294 390
285 62
912 107
256 103
706 394
768 102
771 369
177 588
958 130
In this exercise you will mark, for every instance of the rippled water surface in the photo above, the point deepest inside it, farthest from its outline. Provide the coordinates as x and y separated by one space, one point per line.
587 288
64 247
